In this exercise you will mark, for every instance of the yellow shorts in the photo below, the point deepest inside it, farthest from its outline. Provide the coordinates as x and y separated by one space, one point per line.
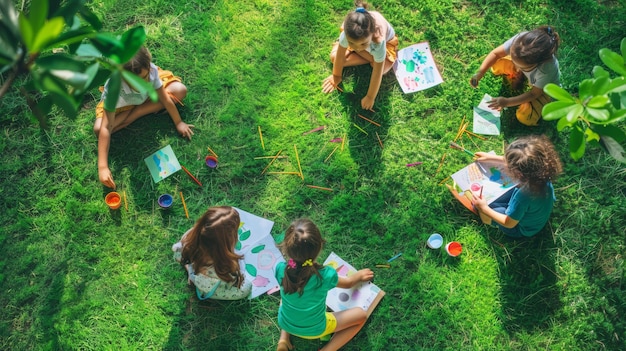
529 113
331 325
167 77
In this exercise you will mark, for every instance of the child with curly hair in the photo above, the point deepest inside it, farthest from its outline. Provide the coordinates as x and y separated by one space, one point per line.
533 162
530 54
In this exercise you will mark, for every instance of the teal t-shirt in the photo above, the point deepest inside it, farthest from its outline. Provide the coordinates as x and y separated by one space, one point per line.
305 315
531 211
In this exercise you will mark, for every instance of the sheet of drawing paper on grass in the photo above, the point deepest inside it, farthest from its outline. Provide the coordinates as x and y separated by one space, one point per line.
488 176
415 68
486 120
162 164
259 250
365 295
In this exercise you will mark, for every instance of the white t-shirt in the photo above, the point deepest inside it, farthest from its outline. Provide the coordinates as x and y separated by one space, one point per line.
130 97
546 72
378 50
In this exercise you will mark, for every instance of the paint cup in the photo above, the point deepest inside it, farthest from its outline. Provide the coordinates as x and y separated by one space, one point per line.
211 161
435 241
454 248
113 200
165 200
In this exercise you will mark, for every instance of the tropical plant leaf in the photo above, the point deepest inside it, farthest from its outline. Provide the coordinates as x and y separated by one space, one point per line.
60 61
141 86
88 51
597 114
90 17
591 135
585 88
613 61
113 91
108 45
613 148
600 86
599 71
26 31
557 92
73 36
66 103
559 109
609 130
132 40
50 30
599 101
562 124
576 143
38 13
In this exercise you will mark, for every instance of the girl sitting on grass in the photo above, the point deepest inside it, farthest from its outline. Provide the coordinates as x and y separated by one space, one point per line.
523 212
532 53
304 284
366 38
131 105
207 251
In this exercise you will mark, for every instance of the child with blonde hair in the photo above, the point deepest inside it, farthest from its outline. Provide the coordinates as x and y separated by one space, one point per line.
304 284
533 162
533 55
207 251
131 105
366 38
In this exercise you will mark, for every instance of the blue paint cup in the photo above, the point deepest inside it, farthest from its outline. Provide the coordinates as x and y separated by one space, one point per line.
165 200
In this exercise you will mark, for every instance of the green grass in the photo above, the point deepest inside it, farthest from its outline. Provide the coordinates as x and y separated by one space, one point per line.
75 275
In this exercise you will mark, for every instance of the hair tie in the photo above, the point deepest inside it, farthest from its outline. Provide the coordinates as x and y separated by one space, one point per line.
308 262
291 263
360 9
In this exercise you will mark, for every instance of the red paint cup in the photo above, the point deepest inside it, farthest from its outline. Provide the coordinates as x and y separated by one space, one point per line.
454 248
211 161
113 200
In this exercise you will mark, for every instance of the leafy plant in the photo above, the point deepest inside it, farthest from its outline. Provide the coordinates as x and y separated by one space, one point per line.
62 56
595 114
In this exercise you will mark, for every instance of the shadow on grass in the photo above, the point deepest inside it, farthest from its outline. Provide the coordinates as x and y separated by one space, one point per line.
528 279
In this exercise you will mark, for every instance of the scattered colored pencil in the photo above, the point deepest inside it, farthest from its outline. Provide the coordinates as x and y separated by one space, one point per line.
338 88
343 140
369 120
383 266
182 199
176 100
261 137
379 141
319 187
441 162
459 147
444 180
413 164
359 128
212 152
336 140
125 202
458 132
335 149
191 175
298 159
314 130
475 135
394 257
263 157
296 173
272 161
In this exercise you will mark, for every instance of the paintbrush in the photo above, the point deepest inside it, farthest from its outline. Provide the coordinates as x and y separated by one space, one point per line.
459 147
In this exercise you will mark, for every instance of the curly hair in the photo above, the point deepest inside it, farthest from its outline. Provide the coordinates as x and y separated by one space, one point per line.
303 242
536 46
533 161
211 242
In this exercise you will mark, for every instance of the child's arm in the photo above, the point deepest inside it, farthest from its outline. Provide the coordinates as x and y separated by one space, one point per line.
487 157
104 140
500 218
377 76
491 58
331 82
500 102
183 128
362 275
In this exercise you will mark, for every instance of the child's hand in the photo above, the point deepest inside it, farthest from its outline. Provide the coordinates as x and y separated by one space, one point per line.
498 103
330 83
364 275
184 129
474 80
478 201
482 156
106 177
367 103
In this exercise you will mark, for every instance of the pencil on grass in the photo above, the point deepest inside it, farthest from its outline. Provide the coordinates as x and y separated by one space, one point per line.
379 141
369 120
182 199
261 137
272 161
319 187
212 152
335 149
298 159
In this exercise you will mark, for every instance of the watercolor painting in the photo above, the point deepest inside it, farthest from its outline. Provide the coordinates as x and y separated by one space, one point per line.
415 68
260 253
162 164
486 120
365 295
484 177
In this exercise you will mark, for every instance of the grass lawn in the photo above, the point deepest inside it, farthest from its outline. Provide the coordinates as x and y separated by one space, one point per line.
77 276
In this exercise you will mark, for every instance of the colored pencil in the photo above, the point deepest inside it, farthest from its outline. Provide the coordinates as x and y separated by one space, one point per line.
263 157
359 128
191 175
441 162
459 147
176 100
413 164
379 141
383 266
394 257
314 130
338 88
458 132
369 120
211 151
261 137
125 202
298 159
336 140
481 192
296 173
444 180
182 199
272 161
335 149
319 187
343 140
476 135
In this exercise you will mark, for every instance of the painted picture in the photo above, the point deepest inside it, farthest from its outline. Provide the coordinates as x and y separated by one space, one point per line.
162 164
415 68
486 178
486 120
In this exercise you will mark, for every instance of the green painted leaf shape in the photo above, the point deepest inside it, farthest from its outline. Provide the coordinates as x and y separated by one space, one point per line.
238 245
613 61
557 92
258 249
244 236
251 269
140 85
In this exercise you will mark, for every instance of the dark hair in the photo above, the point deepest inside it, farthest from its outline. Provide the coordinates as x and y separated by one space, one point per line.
533 161
303 242
359 24
536 46
140 61
211 242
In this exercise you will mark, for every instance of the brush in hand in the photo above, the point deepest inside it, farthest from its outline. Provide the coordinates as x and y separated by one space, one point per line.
459 147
